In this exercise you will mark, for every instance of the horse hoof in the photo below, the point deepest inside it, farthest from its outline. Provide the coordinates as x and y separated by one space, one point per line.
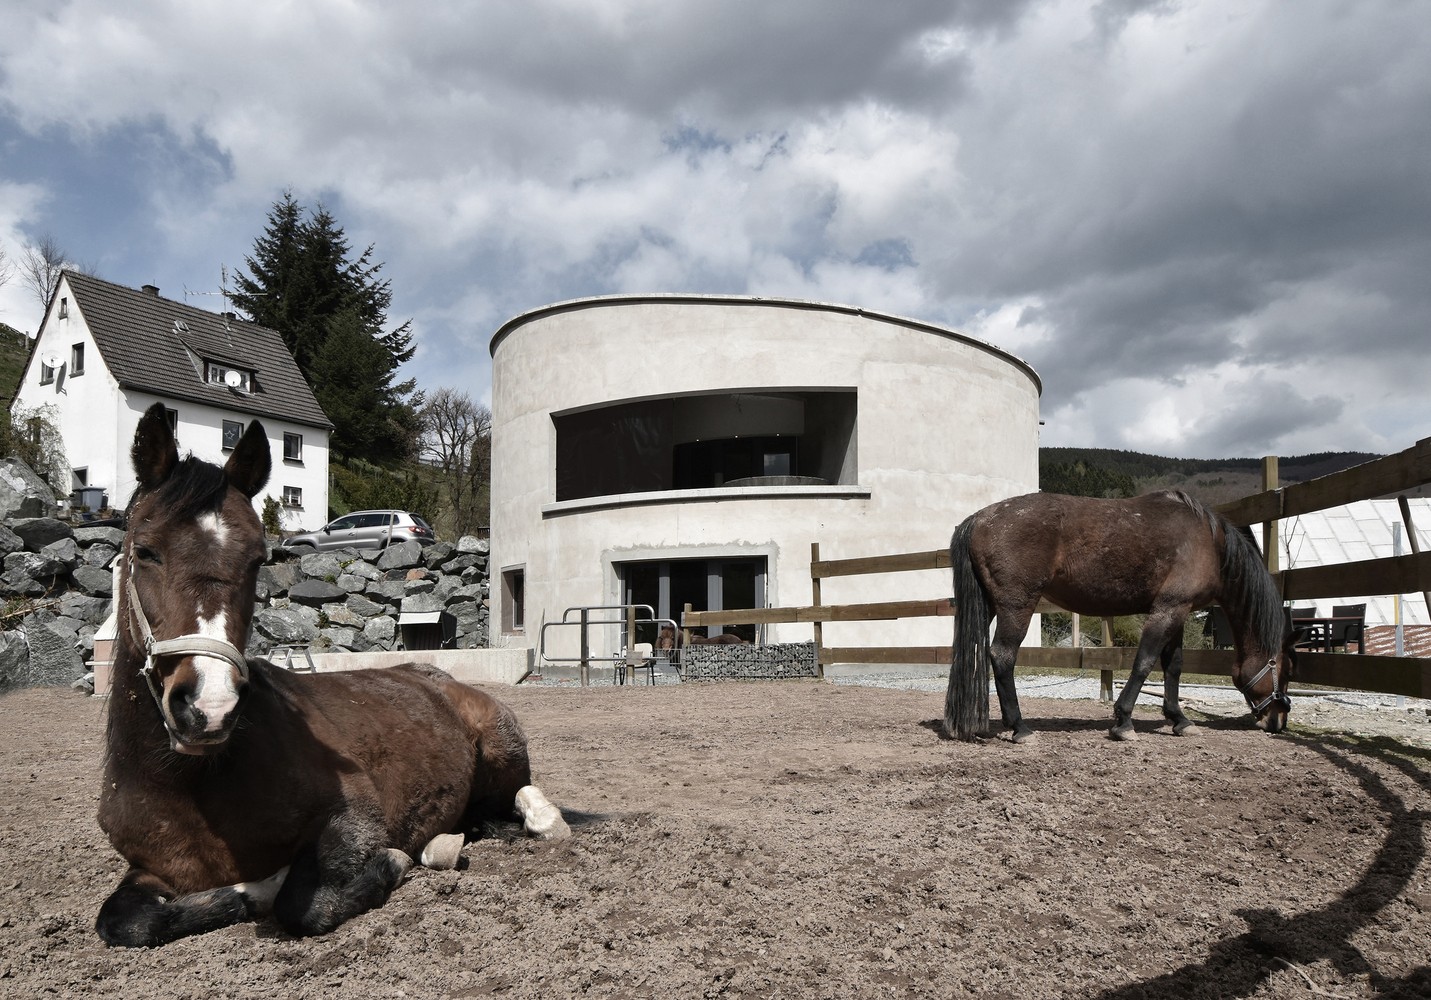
1022 736
259 896
1189 729
541 819
1123 734
442 852
400 861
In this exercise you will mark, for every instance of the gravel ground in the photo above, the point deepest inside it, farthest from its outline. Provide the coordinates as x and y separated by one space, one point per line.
1358 713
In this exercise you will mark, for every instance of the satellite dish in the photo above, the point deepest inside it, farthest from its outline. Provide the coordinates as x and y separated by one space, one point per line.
50 360
232 379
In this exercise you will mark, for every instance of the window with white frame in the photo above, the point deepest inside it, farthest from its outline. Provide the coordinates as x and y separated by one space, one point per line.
77 360
233 430
292 447
227 375
292 496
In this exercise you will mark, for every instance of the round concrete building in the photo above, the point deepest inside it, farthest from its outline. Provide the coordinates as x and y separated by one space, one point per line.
687 449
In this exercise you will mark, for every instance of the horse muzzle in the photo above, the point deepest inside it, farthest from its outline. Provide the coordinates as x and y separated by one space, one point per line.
199 700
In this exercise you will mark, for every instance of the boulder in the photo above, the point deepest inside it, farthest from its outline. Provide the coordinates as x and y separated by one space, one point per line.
380 632
9 541
401 555
284 627
436 554
101 554
316 593
22 492
471 543
54 660
94 581
38 532
321 565
65 550
99 535
362 607
423 604
277 578
14 661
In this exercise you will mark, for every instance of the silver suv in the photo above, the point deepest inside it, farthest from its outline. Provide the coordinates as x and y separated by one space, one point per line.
366 529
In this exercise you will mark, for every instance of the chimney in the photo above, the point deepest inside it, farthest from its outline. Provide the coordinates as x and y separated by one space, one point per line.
150 289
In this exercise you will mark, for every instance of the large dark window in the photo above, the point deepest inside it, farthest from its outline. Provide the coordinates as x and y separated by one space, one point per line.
668 585
707 441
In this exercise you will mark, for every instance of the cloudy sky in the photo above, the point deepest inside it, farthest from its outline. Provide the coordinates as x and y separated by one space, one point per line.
1207 223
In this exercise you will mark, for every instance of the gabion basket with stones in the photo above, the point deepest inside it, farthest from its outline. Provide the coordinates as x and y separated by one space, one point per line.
778 661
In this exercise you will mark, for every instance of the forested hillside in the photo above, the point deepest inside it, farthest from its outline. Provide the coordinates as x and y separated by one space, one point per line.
1107 472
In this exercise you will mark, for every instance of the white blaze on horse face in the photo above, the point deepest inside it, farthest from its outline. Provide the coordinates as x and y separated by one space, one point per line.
217 695
214 526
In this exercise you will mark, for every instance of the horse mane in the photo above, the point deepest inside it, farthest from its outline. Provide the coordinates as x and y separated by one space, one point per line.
1246 584
194 487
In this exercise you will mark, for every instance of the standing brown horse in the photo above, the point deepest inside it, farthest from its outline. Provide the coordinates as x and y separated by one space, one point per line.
1163 555
234 788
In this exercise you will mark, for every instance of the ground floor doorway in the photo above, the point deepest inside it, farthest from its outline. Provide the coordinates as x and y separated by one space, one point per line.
668 585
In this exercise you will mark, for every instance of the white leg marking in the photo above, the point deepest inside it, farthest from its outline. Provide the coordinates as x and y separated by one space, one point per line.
541 819
442 852
262 894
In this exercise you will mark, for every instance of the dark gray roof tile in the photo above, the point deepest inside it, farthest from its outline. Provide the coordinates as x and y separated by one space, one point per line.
159 346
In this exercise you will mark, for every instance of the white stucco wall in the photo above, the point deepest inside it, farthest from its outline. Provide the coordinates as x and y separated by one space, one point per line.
97 420
945 426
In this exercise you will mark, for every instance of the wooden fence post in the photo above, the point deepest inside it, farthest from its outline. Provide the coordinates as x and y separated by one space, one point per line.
815 602
1411 539
1271 480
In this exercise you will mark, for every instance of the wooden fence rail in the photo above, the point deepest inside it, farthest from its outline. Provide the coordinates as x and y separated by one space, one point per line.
1403 574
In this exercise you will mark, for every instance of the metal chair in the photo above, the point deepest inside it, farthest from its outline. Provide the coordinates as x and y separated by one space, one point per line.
1314 633
638 657
1344 633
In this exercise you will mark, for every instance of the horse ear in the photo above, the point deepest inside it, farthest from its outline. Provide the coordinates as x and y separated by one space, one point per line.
248 467
155 452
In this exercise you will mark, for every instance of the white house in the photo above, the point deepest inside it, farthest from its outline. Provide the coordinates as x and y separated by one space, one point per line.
688 449
106 353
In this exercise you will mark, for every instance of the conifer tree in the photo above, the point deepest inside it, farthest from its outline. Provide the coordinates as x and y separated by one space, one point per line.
331 308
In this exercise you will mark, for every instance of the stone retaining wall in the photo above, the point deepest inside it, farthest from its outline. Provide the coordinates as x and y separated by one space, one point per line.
57 584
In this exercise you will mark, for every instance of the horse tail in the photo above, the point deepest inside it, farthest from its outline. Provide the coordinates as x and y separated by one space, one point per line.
966 704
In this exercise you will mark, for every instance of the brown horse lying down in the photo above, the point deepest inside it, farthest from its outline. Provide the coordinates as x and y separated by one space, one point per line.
671 639
236 789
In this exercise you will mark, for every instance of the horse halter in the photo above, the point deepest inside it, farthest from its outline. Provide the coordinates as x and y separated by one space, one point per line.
1278 697
191 644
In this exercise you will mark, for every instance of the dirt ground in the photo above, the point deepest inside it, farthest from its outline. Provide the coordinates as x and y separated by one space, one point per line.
804 839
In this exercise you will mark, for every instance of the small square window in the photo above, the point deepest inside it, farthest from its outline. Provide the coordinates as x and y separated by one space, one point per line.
292 447
64 308
77 359
292 496
47 374
233 430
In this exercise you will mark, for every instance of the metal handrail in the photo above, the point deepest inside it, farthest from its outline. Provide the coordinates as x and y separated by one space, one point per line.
584 622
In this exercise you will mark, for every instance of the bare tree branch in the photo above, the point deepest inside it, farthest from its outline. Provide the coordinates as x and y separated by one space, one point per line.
40 267
456 435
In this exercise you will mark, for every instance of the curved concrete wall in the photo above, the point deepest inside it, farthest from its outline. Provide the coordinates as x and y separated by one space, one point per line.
945 425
